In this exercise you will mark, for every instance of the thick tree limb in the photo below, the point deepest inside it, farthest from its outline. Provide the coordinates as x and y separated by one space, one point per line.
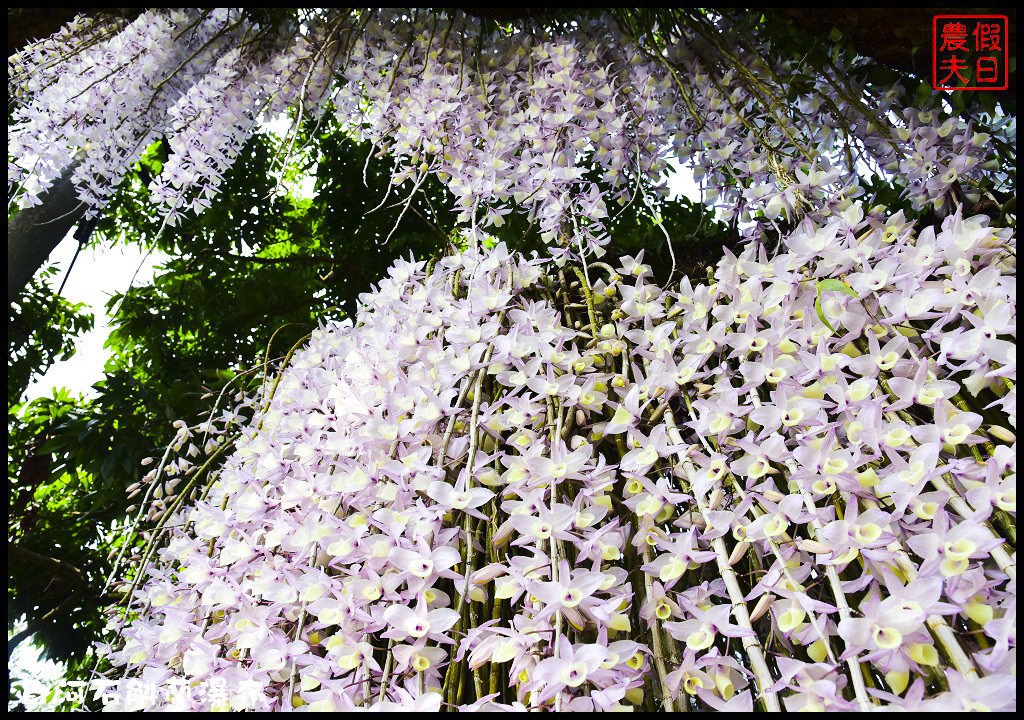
35 232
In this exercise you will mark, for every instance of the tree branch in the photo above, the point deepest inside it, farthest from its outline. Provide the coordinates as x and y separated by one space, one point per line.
14 552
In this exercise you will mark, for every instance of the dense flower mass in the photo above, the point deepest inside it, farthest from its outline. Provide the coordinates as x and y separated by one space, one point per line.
514 486
180 74
504 118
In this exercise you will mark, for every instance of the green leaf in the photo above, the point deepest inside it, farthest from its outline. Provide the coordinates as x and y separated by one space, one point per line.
958 100
830 285
987 101
923 94
834 285
107 470
821 313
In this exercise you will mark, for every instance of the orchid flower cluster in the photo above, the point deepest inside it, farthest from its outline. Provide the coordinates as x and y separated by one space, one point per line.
202 78
763 155
504 118
513 485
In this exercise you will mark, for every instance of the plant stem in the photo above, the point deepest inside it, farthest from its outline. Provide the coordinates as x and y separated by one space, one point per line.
739 608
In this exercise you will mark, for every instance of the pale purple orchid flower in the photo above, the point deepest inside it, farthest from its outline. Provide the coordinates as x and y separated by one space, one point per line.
570 669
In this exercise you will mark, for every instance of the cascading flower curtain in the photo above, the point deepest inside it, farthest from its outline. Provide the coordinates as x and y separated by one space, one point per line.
502 489
502 117
550 483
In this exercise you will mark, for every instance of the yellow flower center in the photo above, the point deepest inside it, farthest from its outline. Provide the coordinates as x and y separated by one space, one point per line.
858 390
887 361
887 638
953 566
720 424
700 639
835 465
866 533
776 526
956 434
692 684
960 549
897 437
758 468
791 619
824 486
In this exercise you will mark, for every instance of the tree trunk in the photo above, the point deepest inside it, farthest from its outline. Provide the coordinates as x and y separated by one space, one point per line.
36 231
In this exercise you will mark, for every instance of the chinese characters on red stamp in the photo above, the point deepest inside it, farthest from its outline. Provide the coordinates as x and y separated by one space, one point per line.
970 52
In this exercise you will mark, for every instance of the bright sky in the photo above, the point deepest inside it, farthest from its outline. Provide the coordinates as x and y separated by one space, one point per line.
96 275
36 676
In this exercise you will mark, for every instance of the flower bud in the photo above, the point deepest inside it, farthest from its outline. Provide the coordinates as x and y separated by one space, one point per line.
815 547
1001 433
762 606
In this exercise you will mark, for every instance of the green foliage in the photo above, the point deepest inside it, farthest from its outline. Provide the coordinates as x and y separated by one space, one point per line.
55 511
41 329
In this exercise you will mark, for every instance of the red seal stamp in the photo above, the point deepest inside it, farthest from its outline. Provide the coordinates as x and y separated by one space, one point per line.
970 52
